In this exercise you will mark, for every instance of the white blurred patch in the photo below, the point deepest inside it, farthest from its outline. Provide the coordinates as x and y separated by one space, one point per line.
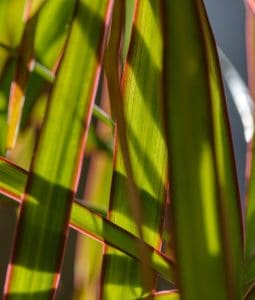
240 95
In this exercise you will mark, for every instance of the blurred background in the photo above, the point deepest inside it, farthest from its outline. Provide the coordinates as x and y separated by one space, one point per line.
227 18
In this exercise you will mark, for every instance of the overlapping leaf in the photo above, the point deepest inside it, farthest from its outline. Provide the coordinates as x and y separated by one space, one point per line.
141 82
86 221
203 187
97 189
5 83
34 272
24 62
46 46
11 26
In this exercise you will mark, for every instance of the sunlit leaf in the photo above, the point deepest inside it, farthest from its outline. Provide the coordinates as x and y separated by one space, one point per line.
96 194
48 49
5 84
54 173
205 206
141 82
11 26
86 220
24 64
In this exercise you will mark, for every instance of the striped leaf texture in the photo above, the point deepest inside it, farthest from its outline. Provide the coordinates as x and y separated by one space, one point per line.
88 221
206 211
34 272
141 102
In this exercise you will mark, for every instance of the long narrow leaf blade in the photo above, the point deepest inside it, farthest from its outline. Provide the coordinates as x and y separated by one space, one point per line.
20 82
86 221
141 94
203 188
96 193
52 181
49 43
5 84
166 295
48 49
11 26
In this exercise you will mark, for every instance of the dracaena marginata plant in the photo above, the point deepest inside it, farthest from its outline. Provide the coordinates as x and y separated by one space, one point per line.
114 125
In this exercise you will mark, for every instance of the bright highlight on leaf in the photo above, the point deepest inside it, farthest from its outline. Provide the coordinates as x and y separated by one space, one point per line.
142 127
20 81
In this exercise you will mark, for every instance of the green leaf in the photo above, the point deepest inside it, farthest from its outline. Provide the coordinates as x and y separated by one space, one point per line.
141 95
119 238
102 116
53 177
11 26
12 179
86 220
206 210
48 49
49 44
96 194
19 84
129 9
5 83
35 6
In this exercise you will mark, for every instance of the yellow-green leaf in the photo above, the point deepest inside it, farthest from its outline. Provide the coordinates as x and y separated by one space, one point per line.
86 220
206 212
34 272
